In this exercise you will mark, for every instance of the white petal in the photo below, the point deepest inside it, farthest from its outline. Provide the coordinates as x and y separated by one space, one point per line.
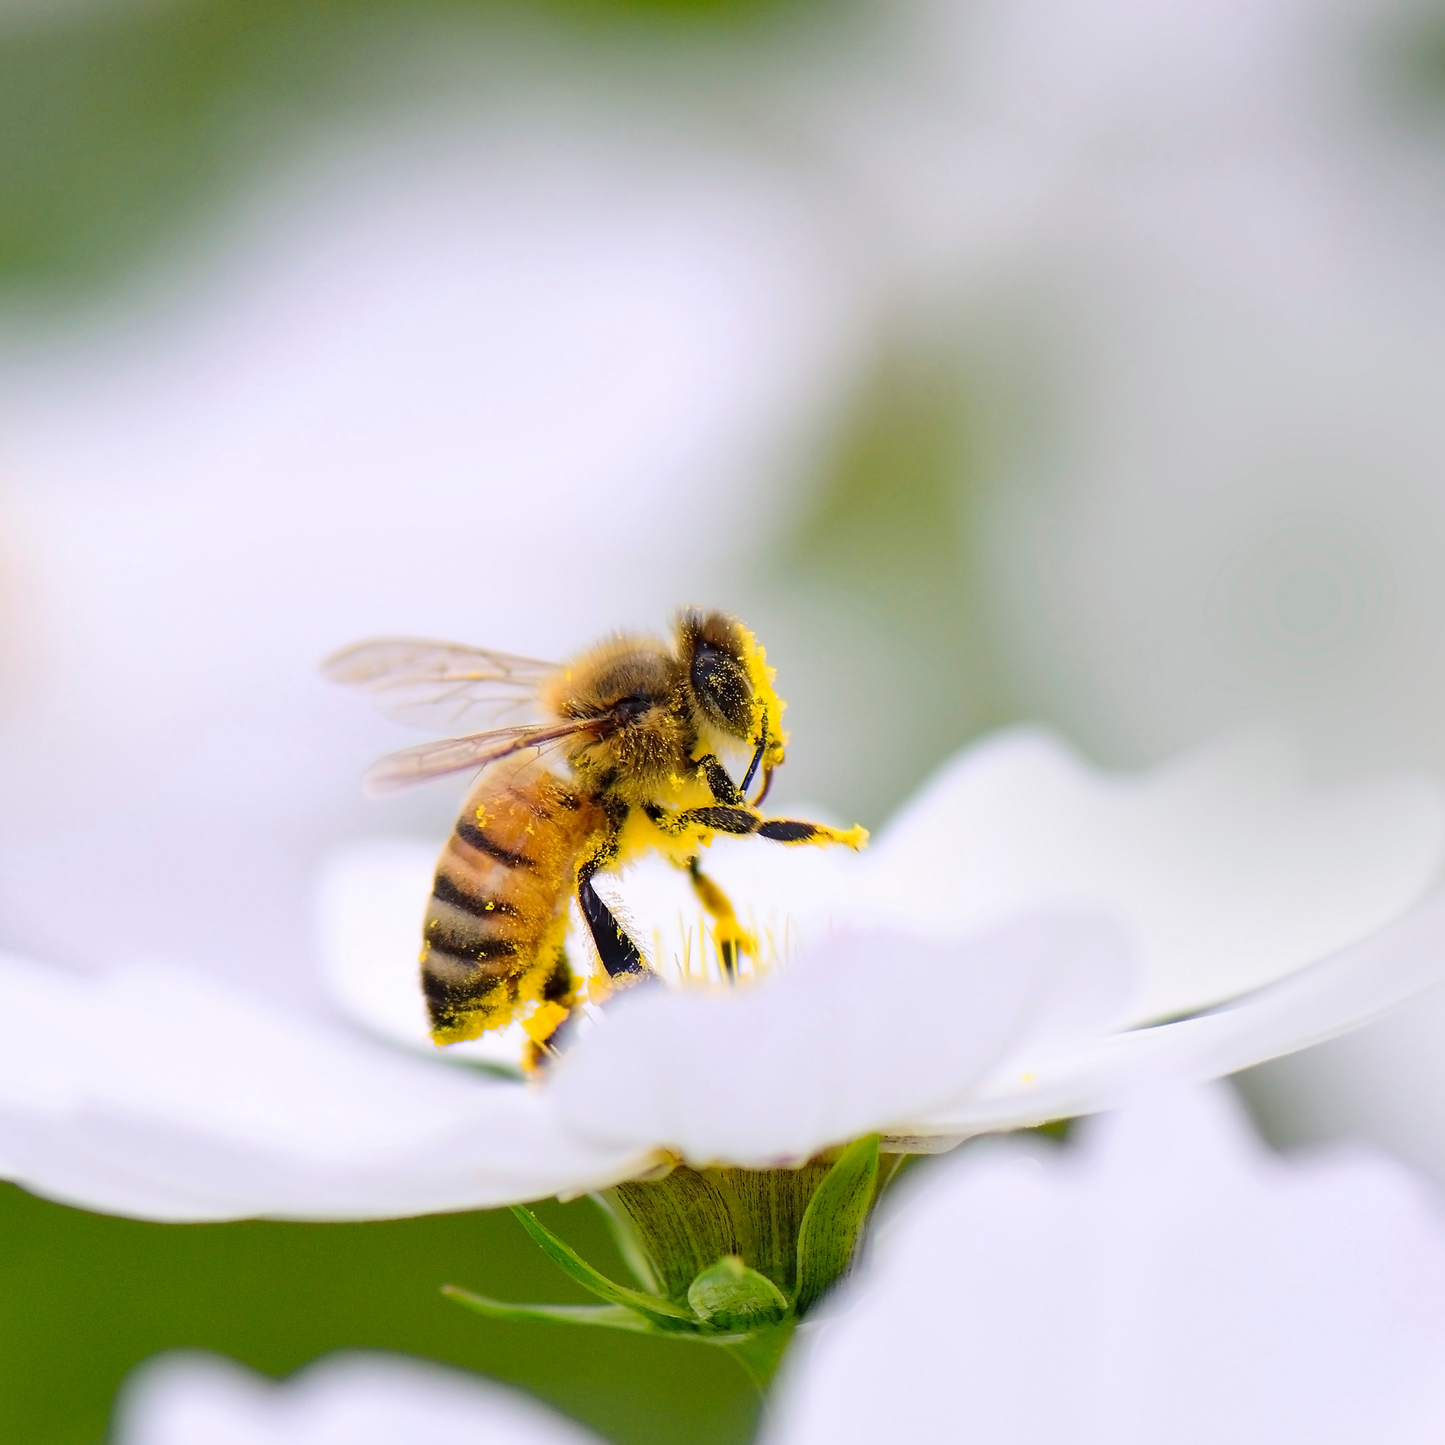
156 1093
1231 871
370 898
1338 993
864 1034
1384 1084
1164 1280
349 1399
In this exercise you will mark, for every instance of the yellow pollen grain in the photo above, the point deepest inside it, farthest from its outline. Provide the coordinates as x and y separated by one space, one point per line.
544 1022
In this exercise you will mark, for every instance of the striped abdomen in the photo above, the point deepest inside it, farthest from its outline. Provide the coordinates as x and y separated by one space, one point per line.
497 917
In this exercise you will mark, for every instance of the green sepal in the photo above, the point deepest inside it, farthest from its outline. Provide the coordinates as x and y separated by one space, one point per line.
614 1317
661 1312
629 1244
729 1295
834 1219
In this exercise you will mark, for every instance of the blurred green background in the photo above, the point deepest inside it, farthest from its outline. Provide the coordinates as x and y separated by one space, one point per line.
84 1298
121 122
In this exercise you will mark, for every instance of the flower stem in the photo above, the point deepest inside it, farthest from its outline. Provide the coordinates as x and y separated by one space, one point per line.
759 1355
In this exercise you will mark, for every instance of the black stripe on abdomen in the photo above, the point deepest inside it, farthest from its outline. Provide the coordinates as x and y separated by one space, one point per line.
446 891
474 837
468 947
449 998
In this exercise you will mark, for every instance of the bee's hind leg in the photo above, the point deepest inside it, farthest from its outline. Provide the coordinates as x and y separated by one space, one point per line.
549 1028
728 933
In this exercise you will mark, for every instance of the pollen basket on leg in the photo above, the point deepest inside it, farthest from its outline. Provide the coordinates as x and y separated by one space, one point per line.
497 915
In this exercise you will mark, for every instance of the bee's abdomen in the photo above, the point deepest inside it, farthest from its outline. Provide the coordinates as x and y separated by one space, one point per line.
498 910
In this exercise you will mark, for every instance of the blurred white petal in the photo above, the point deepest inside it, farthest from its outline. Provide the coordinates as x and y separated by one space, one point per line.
1384 1084
1165 1279
346 1399
157 1093
1330 997
1229 870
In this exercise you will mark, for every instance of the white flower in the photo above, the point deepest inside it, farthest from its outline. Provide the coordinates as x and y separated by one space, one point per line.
1023 917
1164 1280
346 1399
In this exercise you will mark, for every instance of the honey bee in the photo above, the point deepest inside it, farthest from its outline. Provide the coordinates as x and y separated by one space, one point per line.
618 756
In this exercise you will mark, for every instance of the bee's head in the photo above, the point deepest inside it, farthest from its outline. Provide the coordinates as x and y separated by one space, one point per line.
729 684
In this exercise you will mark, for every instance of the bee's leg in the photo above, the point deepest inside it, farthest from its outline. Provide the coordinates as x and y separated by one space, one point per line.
742 822
738 821
730 935
720 783
548 1028
619 954
790 830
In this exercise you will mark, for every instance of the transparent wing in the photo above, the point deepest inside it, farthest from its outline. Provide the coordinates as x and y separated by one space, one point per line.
454 755
441 686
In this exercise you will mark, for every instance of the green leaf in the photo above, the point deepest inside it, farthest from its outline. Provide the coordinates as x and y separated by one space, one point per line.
729 1295
615 1317
834 1219
661 1312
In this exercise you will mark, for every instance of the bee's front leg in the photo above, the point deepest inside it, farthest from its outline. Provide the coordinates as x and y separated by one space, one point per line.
789 830
720 783
743 822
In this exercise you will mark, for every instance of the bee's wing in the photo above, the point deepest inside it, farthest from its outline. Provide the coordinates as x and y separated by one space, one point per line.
440 686
454 755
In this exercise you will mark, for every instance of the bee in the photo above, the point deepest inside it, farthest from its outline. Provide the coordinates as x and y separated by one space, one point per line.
618 757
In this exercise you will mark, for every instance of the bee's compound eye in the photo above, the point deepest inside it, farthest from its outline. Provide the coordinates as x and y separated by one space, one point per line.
721 686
